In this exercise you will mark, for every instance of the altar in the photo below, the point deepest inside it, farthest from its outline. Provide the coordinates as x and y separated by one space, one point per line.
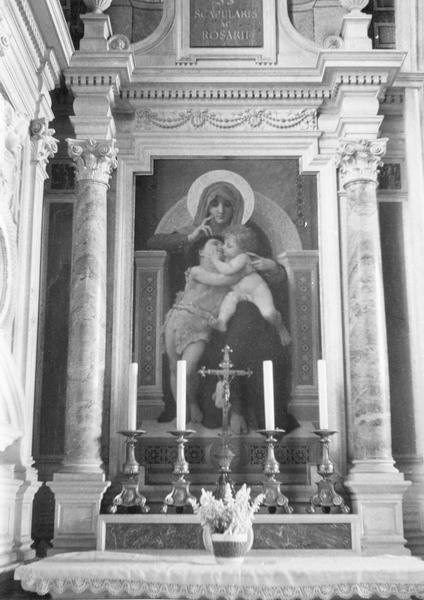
283 138
263 575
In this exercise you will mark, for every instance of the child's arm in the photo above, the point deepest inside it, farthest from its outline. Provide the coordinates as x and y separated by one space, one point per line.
210 278
232 267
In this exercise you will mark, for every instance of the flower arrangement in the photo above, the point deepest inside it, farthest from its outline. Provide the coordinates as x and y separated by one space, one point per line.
229 515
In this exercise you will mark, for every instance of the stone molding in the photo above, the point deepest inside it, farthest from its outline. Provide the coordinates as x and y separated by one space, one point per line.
32 29
359 160
4 38
173 90
44 145
95 160
252 118
46 56
161 31
14 129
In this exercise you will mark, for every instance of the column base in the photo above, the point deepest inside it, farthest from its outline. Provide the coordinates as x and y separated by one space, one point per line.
77 507
29 485
377 490
8 491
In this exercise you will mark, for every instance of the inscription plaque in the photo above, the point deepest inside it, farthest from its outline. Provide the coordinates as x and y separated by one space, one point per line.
226 24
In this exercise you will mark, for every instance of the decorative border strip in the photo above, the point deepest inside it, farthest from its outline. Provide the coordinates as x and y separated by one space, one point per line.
252 453
305 119
134 587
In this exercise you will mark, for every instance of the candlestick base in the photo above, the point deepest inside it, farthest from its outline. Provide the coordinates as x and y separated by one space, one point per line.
326 497
180 495
274 497
130 495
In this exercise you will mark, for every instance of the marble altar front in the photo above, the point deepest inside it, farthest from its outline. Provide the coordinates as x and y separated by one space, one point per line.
138 533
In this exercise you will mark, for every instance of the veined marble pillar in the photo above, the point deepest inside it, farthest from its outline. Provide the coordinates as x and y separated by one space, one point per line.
376 486
80 484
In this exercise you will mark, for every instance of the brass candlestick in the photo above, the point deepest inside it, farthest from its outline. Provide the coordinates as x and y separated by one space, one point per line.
180 495
326 497
225 374
274 497
130 495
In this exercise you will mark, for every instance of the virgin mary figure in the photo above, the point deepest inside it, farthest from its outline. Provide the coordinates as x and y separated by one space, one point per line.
216 200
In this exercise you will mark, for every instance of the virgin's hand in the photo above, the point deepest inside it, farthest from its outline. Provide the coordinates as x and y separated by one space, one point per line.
285 337
202 229
262 264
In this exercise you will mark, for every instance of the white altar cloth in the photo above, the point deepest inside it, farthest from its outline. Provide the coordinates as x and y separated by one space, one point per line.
266 575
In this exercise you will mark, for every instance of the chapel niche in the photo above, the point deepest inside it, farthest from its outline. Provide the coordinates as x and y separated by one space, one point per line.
274 181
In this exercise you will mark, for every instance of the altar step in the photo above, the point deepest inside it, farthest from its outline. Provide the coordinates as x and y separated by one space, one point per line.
133 533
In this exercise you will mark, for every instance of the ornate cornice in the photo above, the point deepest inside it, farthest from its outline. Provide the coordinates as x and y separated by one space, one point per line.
270 90
44 145
359 160
254 118
95 159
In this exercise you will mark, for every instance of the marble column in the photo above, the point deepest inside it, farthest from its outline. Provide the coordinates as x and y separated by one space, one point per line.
80 484
375 484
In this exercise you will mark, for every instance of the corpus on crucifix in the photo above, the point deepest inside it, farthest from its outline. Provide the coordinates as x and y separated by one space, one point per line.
225 374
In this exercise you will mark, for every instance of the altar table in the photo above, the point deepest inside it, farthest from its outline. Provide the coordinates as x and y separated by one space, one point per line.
265 575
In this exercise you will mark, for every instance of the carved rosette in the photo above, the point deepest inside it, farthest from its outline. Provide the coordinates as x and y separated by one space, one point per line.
44 145
95 160
359 160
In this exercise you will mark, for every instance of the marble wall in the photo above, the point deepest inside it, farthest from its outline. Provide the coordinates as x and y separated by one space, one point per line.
49 438
401 396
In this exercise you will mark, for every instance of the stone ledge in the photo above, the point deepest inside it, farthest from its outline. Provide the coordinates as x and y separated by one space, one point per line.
175 532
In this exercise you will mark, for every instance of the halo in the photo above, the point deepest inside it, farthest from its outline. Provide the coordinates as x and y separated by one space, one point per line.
204 181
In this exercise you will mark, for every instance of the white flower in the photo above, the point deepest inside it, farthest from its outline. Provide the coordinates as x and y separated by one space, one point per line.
232 515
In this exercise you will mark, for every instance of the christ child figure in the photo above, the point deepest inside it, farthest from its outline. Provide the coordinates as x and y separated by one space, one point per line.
240 244
188 324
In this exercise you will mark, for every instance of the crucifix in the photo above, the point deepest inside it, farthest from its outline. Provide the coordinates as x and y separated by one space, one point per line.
225 375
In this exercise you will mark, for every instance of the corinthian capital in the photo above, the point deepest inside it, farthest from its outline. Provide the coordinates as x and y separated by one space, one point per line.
44 145
358 160
95 160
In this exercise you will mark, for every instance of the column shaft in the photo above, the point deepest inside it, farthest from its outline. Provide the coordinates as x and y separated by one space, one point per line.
369 394
87 329
87 321
375 485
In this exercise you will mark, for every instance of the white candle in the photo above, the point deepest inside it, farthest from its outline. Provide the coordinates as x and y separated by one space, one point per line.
322 394
132 396
181 395
268 395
